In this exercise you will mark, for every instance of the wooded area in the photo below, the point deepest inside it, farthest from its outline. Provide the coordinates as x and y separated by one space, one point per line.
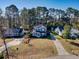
26 18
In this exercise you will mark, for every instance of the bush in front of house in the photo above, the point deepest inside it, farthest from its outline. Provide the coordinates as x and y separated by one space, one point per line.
59 37
54 33
48 35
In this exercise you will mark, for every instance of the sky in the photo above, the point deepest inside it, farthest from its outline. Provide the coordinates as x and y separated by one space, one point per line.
59 4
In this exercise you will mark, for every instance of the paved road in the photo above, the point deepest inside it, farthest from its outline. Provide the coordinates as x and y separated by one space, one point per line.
12 43
64 57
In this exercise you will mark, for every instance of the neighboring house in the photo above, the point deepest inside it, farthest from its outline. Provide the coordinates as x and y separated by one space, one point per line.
59 30
74 33
39 31
13 32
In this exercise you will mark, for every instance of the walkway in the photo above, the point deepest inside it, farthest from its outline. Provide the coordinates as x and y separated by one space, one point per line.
12 43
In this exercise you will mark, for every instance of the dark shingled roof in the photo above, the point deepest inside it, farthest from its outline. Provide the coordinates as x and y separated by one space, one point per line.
13 32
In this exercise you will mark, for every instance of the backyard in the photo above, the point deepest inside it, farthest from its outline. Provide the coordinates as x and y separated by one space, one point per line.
36 49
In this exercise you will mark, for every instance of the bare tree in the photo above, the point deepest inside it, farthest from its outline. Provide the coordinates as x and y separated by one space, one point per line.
2 36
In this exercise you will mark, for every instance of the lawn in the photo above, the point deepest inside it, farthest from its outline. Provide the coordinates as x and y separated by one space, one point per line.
71 48
38 48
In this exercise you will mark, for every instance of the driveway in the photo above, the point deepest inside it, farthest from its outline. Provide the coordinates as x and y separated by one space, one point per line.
62 53
60 49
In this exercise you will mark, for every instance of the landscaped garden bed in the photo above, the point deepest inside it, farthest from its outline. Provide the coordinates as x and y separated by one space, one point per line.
36 49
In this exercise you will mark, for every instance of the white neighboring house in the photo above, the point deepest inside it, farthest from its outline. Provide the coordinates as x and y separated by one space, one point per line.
39 31
58 31
74 33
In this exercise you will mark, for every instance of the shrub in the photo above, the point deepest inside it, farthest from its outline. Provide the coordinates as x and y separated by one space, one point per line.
66 32
1 56
54 33
58 37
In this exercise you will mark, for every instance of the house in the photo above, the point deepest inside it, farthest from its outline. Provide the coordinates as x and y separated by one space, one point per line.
13 32
59 30
39 31
74 33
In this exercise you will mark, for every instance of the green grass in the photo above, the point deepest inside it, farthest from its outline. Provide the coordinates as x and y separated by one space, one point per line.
58 37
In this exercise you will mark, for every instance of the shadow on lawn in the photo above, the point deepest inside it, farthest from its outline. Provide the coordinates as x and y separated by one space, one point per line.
74 43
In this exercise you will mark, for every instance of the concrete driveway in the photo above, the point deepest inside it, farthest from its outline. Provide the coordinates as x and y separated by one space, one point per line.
62 53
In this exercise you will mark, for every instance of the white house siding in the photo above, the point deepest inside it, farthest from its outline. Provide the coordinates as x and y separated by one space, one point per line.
73 33
57 30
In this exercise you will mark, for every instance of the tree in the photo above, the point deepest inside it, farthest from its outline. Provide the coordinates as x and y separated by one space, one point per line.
66 32
12 14
52 13
2 36
1 21
41 13
0 12
24 18
73 14
56 14
28 16
0 16
32 17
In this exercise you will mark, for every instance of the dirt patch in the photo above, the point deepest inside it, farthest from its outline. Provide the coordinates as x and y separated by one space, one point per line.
71 46
40 48
1 41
